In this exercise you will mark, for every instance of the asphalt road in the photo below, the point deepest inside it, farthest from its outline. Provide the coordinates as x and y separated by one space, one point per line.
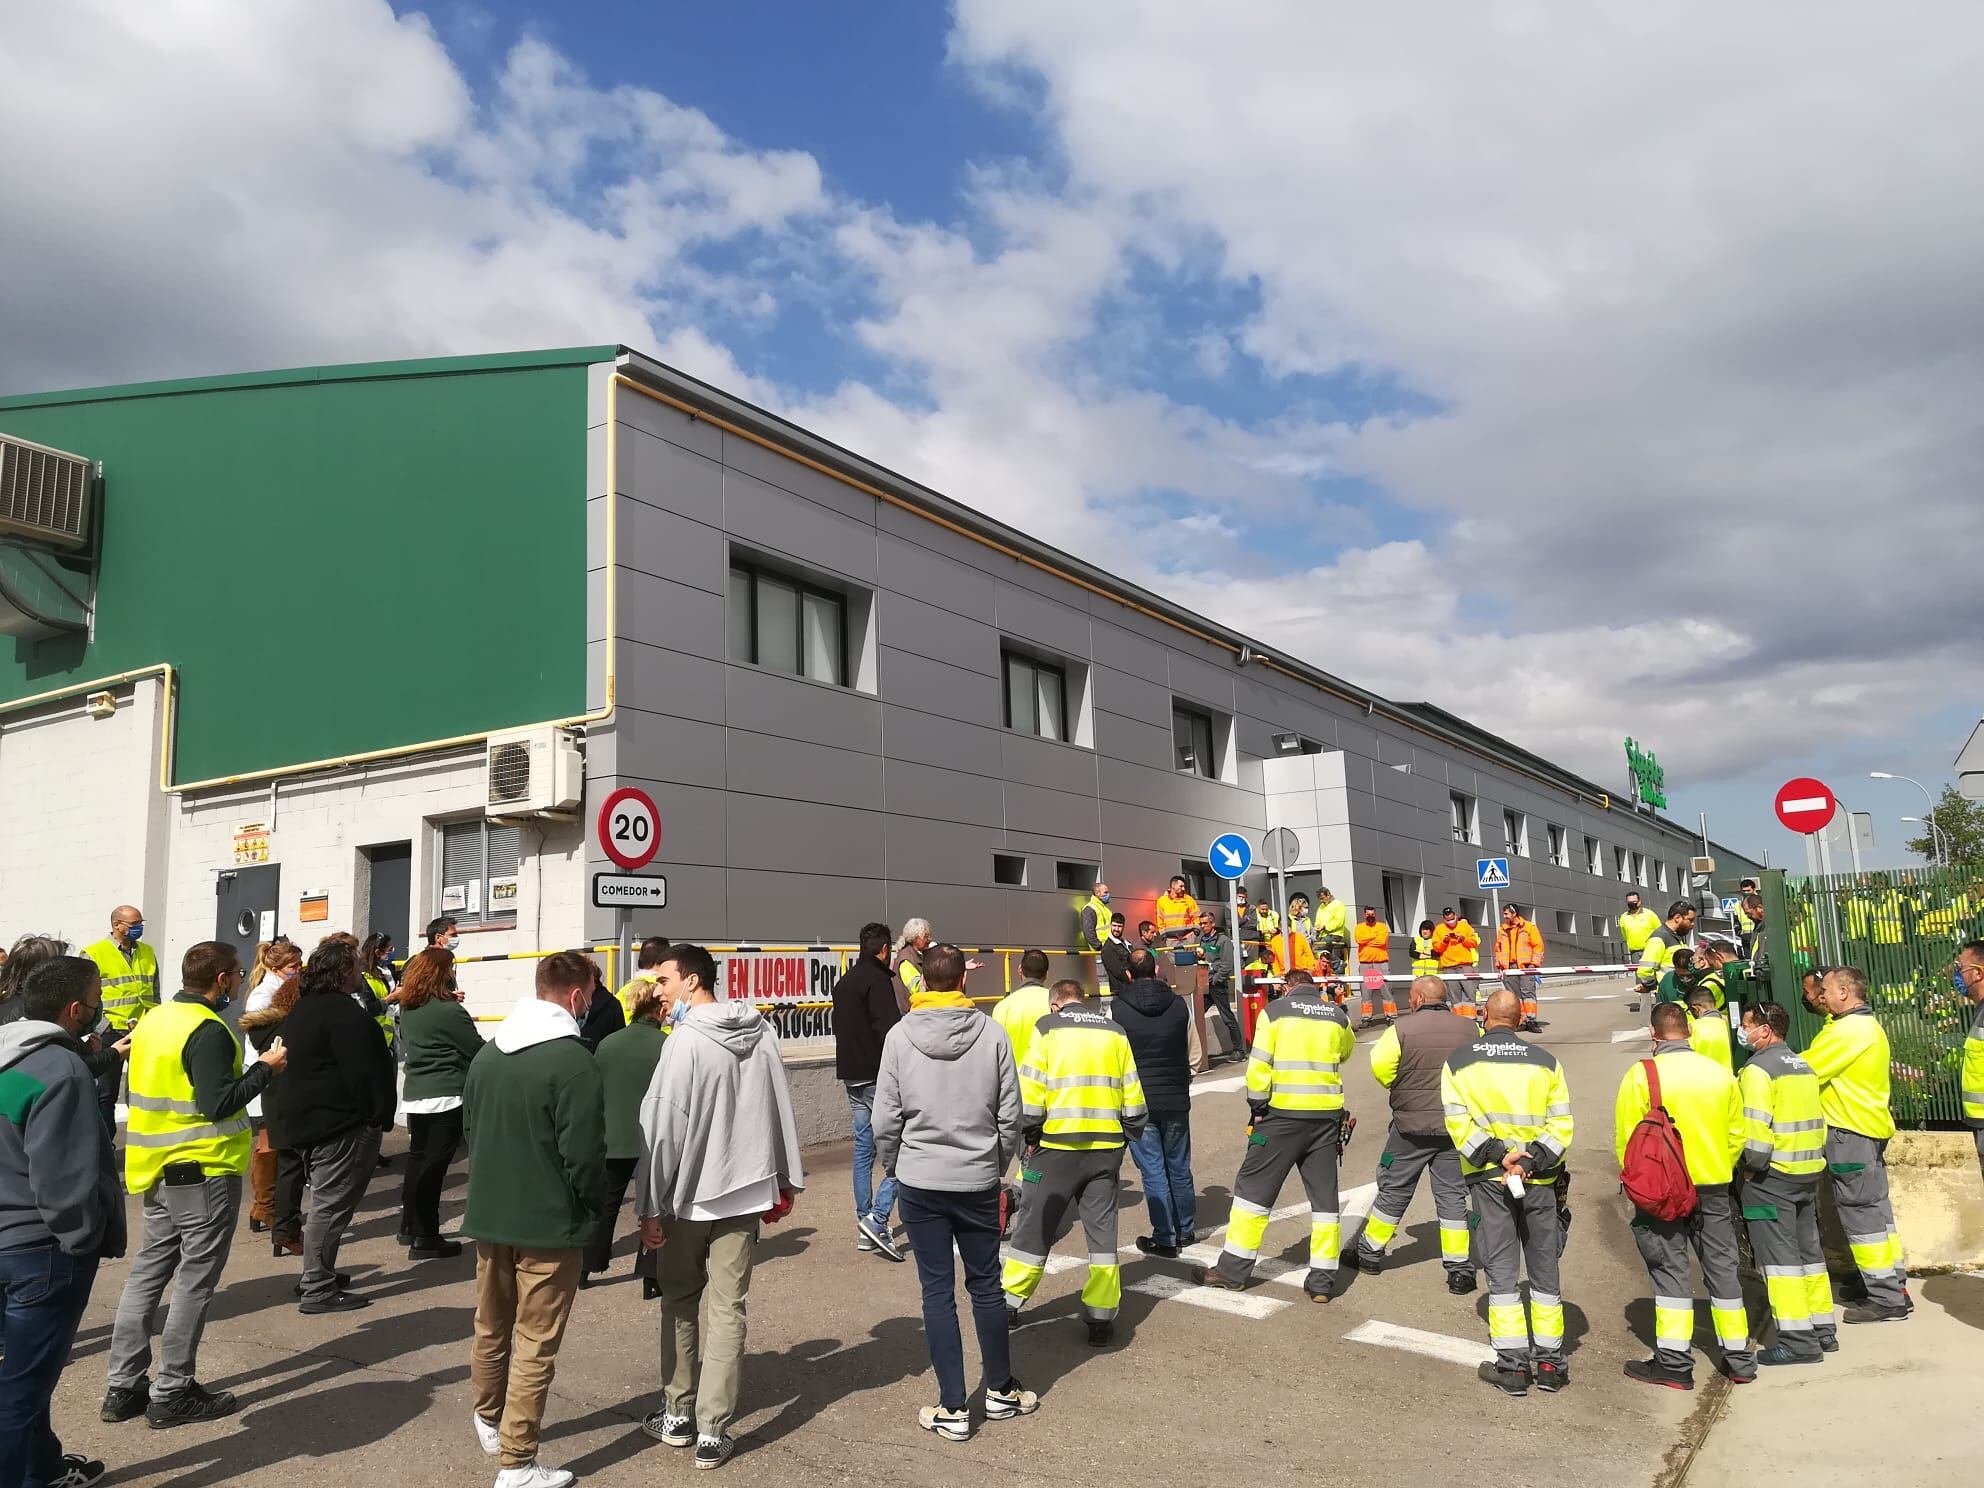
1200 1388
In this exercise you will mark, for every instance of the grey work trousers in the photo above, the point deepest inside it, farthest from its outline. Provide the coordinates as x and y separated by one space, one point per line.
188 1232
338 1172
1058 1185
1405 1157
1782 1215
701 1367
1859 1169
1277 1144
1979 1135
1710 1232
1514 1238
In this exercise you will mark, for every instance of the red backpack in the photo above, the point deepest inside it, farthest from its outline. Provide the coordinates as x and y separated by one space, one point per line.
1655 1172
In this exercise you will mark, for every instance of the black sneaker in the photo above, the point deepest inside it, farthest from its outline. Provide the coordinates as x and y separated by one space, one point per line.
433 1250
336 1302
78 1471
193 1404
670 1431
1653 1372
1368 1262
1461 1283
122 1402
1149 1246
1012 1318
714 1451
1509 1379
1552 1377
1101 1332
1875 1312
1777 1353
1828 1343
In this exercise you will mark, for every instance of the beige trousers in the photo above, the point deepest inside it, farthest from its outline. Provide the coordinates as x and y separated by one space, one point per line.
522 1299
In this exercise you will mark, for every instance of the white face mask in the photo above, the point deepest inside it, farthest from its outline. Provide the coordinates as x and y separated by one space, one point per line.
453 942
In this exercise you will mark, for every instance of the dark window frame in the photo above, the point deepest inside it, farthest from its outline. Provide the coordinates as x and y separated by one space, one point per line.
753 572
1008 658
1208 767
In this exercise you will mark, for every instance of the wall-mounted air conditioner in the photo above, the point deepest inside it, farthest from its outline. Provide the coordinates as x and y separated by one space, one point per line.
534 772
44 493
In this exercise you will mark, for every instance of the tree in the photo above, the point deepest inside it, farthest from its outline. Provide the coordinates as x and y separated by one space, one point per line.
1961 822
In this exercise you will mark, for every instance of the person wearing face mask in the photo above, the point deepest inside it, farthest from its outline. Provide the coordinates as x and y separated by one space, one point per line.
187 1148
1095 918
1784 1153
1636 926
130 988
1457 946
1969 978
1374 959
534 1109
444 933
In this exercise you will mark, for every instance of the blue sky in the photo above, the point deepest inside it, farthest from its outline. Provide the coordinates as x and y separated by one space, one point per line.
1582 379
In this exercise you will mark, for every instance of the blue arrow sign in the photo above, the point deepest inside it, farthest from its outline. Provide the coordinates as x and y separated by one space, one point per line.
1231 855
1492 873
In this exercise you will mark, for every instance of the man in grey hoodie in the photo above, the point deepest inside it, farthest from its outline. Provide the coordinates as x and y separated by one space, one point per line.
61 1210
947 1123
719 1154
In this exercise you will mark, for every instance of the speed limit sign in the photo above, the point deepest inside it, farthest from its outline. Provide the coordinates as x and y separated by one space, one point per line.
629 828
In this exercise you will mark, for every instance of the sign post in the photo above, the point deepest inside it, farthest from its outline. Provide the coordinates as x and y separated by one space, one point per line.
1807 805
1279 850
1231 855
629 832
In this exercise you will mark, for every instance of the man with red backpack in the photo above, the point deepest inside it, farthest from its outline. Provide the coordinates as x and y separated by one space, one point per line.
1680 1096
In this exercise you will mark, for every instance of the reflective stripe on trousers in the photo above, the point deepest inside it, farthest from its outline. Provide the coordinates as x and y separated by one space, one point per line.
1060 1186
1276 1145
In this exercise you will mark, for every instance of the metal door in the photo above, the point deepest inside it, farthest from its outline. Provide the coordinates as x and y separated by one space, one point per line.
245 901
389 895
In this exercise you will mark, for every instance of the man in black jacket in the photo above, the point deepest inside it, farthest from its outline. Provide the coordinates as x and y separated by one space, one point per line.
1115 958
604 1014
865 1009
1153 1017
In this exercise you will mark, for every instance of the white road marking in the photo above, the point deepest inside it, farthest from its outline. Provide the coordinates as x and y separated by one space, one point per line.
1558 998
1463 1351
1627 1035
1220 1087
1601 997
1056 1264
1240 1304
1352 1204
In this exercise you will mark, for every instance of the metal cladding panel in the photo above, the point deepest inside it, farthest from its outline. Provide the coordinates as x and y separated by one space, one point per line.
1128 652
1133 741
944 795
1044 622
936 739
1130 696
939 687
780 908
800 836
1043 762
1031 809
937 634
774 521
803 770
663 544
925 851
908 569
668 477
769 703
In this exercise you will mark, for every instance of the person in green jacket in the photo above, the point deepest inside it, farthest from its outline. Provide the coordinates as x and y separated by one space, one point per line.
627 1058
438 1040
534 1111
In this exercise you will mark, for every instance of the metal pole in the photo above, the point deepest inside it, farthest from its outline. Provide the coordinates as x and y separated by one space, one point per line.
1827 923
1233 933
1852 837
623 924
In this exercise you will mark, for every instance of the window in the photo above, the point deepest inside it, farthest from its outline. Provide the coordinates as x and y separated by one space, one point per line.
1036 696
1202 883
1619 865
1402 909
1474 911
1466 817
1660 876
1567 922
1192 734
1601 925
1077 876
1594 860
1515 833
1639 869
786 624
1558 852
478 873
1009 869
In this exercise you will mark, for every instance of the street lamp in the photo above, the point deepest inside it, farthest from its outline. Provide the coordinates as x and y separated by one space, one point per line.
1935 838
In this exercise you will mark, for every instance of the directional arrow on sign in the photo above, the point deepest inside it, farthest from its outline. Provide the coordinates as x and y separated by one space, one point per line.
1229 859
1230 855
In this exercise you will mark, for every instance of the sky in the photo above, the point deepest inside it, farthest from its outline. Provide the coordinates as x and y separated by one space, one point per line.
1588 371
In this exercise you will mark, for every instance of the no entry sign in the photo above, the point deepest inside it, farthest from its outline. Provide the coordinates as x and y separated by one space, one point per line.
629 828
1805 805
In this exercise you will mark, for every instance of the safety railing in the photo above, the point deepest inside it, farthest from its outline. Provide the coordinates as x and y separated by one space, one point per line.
1902 928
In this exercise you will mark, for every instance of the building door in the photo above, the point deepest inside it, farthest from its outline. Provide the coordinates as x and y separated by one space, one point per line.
245 909
389 896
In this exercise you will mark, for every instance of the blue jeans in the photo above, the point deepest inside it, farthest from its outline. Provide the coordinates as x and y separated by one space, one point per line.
861 1102
1163 1156
935 1219
42 1296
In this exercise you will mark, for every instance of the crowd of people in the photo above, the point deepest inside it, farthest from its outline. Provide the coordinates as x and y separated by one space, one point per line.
669 1090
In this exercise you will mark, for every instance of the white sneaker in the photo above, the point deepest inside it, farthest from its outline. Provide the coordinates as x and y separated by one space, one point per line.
490 1436
535 1475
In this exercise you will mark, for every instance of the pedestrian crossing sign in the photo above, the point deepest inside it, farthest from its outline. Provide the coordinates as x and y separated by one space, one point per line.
1492 873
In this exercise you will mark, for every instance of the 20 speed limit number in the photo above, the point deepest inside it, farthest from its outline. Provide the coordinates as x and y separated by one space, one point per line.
629 828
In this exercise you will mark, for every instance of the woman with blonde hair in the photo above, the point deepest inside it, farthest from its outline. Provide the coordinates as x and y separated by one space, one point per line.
439 1039
275 1171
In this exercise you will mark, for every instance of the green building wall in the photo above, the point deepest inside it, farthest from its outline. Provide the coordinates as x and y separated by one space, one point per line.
336 559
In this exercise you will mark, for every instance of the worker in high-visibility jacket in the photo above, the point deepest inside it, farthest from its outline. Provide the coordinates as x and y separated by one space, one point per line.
1707 1110
1508 1112
1784 1152
1708 1029
1519 956
1969 976
1289 951
1019 1012
1458 946
1407 1060
1295 1105
1424 960
1657 954
129 969
1080 1104
1374 959
1636 926
1850 1056
186 1147
1093 918
1332 928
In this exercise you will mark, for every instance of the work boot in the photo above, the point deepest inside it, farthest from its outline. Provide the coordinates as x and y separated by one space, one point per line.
1461 1283
1777 1353
1149 1245
1509 1379
1369 1261
1101 1332
1210 1276
1653 1372
1319 1286
122 1402
1828 1343
1012 1318
1551 1376
194 1403
1875 1312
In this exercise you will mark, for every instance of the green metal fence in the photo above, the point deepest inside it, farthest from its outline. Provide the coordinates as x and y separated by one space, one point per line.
1902 928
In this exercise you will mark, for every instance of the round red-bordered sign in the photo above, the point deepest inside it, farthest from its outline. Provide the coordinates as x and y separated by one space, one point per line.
629 828
1805 804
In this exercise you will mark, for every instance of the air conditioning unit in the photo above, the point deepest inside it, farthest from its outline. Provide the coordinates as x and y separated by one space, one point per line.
44 493
1701 865
534 772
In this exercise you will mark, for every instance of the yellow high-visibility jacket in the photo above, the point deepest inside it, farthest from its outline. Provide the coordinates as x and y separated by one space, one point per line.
1850 1057
1503 1094
1784 1130
1701 1097
1079 1085
1301 1043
